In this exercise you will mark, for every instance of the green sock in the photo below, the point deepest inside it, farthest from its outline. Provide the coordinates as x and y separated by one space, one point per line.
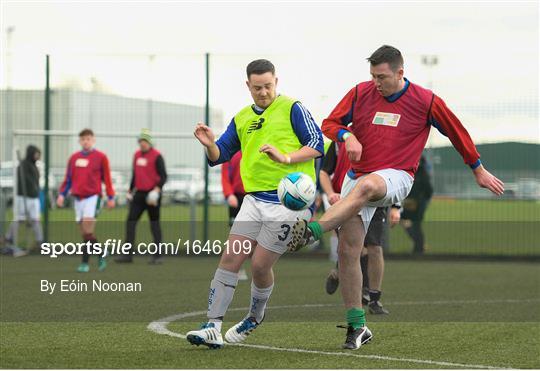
316 230
356 317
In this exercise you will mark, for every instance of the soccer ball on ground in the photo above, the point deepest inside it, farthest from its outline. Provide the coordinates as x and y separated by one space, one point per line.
296 191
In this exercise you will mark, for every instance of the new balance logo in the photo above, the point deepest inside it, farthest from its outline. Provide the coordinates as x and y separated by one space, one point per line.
255 125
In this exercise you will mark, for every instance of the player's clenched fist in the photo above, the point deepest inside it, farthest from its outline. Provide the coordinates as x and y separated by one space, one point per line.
354 148
204 134
232 200
60 201
333 198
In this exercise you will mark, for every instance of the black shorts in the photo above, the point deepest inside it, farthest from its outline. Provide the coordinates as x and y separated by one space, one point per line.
376 231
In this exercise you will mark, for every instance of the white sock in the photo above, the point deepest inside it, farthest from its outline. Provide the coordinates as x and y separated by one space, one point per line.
220 296
259 298
217 323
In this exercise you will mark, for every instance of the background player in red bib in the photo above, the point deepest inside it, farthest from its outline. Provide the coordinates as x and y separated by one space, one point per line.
149 176
86 170
234 192
391 119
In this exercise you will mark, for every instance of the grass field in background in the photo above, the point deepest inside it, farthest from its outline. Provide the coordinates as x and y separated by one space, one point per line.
464 227
465 313
440 209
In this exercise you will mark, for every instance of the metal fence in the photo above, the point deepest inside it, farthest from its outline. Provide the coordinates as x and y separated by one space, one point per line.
118 95
183 194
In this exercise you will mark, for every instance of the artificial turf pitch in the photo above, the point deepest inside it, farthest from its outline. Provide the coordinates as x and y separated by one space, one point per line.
443 315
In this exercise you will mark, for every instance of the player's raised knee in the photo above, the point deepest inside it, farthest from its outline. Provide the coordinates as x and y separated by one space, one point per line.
370 187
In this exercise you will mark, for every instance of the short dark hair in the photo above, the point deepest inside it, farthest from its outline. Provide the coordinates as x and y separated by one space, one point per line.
387 54
260 66
85 132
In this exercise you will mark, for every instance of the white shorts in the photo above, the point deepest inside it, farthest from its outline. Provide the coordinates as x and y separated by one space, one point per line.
267 223
33 208
87 207
398 186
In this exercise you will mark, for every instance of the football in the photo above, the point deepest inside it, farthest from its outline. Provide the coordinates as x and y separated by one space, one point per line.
296 191
152 198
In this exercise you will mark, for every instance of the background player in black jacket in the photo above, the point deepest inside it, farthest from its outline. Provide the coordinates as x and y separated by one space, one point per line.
26 207
415 205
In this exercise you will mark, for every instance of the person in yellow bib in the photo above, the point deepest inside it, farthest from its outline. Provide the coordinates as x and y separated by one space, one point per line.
277 136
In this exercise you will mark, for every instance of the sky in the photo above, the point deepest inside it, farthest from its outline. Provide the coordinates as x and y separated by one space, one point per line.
487 52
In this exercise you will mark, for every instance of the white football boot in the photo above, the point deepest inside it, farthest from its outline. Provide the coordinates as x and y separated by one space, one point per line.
239 332
208 335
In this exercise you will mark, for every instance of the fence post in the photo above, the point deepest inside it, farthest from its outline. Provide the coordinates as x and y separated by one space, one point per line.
47 151
207 122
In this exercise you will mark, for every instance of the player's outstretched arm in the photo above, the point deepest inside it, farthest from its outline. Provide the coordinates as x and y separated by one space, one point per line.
206 136
448 124
487 180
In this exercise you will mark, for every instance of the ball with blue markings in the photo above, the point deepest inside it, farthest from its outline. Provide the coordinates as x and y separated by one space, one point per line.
296 191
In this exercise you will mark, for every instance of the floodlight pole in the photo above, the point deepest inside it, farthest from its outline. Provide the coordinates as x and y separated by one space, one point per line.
150 103
430 61
7 127
8 94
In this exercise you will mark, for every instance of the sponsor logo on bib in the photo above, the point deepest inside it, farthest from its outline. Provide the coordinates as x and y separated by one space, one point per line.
141 161
385 118
81 162
255 125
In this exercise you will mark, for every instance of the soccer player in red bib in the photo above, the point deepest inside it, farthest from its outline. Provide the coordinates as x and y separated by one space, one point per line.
149 176
391 119
86 170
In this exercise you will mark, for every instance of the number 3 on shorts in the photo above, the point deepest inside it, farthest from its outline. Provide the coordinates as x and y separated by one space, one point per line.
286 230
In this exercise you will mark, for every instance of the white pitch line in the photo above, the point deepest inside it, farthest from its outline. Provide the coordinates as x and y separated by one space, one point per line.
472 301
160 327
